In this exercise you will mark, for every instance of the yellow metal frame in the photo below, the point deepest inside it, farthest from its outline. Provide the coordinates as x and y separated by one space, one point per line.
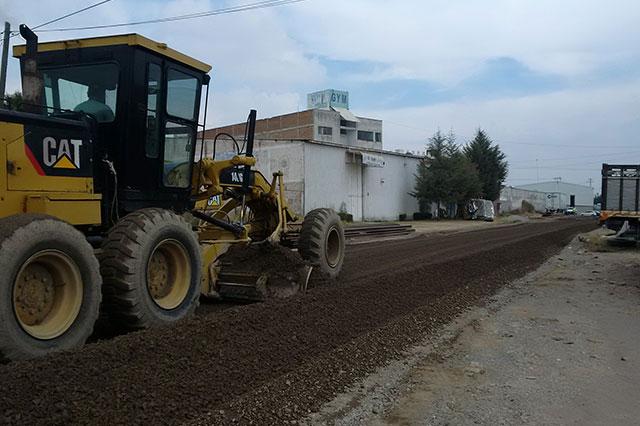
607 214
123 39
24 190
215 241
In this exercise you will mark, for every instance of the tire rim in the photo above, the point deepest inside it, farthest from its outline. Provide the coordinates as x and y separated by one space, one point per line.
168 274
332 247
47 294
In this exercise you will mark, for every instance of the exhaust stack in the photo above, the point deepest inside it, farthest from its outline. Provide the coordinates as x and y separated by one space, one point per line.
32 83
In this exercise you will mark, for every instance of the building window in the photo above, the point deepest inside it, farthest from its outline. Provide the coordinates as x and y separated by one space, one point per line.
343 131
325 131
345 123
365 136
378 137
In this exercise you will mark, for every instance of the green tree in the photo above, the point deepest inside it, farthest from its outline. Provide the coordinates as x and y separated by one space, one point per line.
490 162
445 175
13 101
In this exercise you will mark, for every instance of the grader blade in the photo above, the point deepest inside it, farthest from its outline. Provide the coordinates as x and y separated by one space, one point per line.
254 287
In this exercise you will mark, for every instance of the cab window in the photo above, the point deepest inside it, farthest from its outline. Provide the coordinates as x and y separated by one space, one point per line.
177 155
92 89
182 92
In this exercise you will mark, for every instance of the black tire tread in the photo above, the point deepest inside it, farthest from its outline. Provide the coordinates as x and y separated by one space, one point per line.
118 263
9 226
311 239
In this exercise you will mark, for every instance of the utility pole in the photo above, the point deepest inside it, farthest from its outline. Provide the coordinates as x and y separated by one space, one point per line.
590 182
3 65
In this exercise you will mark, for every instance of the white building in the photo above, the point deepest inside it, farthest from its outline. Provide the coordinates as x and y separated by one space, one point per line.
552 195
330 158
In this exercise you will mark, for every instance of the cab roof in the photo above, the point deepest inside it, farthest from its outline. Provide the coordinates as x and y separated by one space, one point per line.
114 40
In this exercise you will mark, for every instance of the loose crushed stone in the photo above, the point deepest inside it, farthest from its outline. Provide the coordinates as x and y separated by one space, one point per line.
275 362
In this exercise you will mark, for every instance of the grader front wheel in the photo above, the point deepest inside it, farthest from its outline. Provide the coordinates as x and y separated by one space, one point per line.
150 264
49 286
322 241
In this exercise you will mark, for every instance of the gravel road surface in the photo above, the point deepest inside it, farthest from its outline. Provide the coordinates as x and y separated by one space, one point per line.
559 346
276 362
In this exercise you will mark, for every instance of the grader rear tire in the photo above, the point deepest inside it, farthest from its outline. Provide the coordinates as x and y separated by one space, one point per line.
151 266
322 242
49 286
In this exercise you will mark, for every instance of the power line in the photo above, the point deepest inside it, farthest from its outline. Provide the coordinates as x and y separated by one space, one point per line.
15 33
71 14
222 11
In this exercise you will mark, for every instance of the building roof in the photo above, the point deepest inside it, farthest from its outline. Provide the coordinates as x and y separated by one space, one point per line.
114 40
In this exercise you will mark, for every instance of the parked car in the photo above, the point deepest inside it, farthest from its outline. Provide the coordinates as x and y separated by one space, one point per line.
570 210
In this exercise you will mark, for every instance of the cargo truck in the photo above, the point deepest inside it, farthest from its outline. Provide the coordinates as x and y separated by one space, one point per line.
620 200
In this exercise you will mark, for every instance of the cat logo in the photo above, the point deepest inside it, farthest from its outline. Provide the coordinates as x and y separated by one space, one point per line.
61 155
216 200
65 151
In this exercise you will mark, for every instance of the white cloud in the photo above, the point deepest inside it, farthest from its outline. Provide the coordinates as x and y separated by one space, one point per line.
228 107
445 41
256 63
267 59
605 118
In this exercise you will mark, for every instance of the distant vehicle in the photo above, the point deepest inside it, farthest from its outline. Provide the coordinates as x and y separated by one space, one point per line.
589 213
570 211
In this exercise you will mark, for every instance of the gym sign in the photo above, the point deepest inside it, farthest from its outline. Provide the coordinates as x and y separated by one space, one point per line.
328 98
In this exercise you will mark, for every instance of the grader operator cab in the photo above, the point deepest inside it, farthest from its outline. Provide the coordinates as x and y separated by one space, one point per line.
104 200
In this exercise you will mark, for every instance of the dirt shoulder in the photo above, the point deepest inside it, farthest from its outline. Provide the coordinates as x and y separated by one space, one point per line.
559 346
459 225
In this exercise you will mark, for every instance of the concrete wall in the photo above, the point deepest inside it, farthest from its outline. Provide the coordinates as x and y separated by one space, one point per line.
511 200
330 181
305 125
346 135
319 175
327 118
336 178
271 157
297 125
583 194
386 189
369 125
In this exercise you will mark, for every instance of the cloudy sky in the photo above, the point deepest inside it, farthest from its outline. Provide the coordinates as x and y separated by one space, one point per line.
557 81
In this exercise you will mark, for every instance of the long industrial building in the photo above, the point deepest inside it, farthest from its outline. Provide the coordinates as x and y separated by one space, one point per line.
552 195
330 158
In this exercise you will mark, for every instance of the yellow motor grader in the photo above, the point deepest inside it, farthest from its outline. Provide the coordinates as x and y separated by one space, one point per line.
107 209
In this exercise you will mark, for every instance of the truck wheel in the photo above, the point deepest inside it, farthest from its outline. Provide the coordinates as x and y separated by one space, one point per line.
321 241
150 264
49 286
